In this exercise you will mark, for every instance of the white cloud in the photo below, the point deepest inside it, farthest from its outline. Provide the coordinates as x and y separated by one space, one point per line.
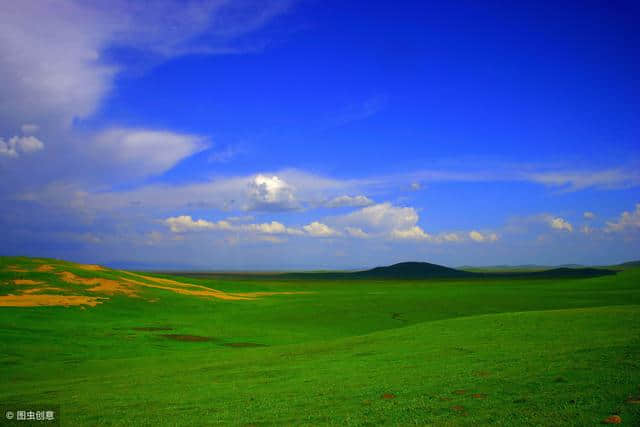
451 237
273 227
413 233
559 224
29 128
52 53
585 229
386 221
416 186
354 201
146 151
270 193
356 232
588 215
627 221
184 223
579 180
318 229
381 217
479 237
19 145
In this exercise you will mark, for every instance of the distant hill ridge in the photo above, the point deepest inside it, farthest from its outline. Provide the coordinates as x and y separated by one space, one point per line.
413 270
630 264
425 270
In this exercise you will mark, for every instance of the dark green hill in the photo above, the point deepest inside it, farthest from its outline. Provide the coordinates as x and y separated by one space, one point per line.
425 270
556 273
630 264
412 270
403 270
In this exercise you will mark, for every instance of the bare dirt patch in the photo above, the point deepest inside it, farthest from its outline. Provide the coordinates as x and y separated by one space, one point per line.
152 328
243 344
388 396
16 269
45 268
26 282
479 395
613 419
481 374
189 338
39 300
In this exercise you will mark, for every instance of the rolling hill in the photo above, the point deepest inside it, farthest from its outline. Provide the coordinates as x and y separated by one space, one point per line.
425 271
114 347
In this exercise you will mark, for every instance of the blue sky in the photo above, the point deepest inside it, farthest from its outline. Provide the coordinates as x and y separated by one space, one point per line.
242 134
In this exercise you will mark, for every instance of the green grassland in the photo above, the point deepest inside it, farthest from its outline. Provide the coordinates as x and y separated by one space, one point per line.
487 350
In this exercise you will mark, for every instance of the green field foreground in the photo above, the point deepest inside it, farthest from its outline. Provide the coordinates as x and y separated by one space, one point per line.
490 351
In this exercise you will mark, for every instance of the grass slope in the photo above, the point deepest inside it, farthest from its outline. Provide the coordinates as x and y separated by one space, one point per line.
467 351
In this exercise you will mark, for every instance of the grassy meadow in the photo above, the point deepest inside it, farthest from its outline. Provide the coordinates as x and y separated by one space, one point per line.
120 348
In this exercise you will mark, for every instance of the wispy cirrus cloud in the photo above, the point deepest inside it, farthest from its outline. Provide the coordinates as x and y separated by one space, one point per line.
145 151
571 180
349 201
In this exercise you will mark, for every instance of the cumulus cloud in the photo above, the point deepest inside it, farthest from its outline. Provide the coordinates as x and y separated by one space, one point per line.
451 237
386 221
353 201
627 221
19 145
588 215
270 193
273 227
318 229
381 217
151 151
479 237
184 223
413 233
558 223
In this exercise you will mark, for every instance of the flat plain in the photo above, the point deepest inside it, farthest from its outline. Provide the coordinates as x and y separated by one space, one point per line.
112 347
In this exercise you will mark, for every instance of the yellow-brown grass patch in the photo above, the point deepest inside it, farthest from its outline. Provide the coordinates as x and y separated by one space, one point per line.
100 285
26 282
44 268
198 290
38 290
204 292
16 269
90 267
40 300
